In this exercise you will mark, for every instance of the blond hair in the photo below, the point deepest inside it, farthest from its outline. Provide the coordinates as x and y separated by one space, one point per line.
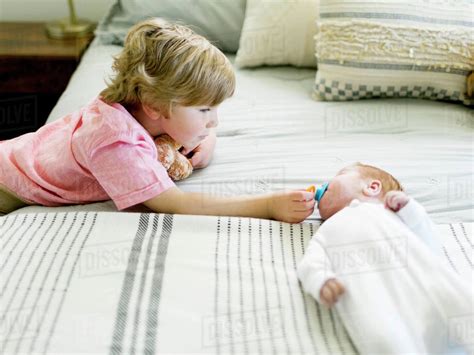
389 183
163 64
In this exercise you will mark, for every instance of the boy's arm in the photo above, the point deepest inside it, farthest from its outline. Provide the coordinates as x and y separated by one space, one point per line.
414 215
315 268
291 206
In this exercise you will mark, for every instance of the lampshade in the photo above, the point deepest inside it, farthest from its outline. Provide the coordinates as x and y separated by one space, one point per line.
71 27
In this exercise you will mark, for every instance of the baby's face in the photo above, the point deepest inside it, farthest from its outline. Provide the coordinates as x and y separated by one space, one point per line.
343 188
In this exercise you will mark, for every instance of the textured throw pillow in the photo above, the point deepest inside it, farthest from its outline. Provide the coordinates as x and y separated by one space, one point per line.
388 48
220 21
278 32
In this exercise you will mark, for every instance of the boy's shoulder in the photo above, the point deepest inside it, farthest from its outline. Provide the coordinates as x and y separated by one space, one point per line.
113 116
102 124
99 118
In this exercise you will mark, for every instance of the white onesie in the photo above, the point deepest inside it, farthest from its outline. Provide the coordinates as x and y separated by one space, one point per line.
400 297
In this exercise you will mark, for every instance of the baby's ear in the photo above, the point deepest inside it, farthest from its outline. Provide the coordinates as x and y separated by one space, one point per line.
373 188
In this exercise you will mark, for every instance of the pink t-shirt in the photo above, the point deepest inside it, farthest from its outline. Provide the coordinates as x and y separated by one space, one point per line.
98 153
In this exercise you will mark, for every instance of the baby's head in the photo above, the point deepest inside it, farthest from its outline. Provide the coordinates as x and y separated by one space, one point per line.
357 181
164 65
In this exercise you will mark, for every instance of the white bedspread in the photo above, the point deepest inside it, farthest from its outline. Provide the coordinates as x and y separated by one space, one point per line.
272 135
88 282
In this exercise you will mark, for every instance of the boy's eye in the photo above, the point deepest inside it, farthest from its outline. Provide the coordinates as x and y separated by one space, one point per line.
205 110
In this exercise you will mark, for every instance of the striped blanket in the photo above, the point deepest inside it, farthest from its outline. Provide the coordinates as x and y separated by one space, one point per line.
97 282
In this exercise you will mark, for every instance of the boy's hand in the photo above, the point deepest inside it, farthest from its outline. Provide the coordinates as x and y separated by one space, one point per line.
330 292
396 200
202 154
291 206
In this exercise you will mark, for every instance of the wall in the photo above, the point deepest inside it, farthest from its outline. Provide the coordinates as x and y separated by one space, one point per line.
46 10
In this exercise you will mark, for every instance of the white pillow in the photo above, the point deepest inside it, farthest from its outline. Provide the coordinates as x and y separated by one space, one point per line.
219 21
278 32
394 48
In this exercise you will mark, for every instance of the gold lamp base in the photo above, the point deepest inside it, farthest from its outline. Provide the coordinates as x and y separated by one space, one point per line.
65 29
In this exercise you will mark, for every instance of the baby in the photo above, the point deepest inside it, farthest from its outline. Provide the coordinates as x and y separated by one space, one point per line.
376 258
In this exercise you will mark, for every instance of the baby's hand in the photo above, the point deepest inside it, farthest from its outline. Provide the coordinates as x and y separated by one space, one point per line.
291 206
396 200
330 292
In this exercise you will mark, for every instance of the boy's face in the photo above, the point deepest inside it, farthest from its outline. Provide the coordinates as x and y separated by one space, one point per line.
190 125
343 188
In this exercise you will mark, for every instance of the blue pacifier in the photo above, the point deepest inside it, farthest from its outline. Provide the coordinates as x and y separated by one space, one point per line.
320 191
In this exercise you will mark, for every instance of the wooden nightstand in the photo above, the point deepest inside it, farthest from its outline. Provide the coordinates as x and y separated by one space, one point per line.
34 71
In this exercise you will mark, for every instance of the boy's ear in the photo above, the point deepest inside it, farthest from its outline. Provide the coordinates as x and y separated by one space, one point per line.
154 114
373 188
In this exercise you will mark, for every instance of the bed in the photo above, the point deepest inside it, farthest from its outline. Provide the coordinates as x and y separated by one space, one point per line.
89 279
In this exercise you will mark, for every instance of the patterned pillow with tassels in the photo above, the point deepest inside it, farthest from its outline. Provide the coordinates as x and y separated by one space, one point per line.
386 48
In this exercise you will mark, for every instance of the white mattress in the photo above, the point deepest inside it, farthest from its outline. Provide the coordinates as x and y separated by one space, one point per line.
272 135
148 283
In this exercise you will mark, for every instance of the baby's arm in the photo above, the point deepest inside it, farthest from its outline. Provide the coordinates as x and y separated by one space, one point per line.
288 206
415 217
316 276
